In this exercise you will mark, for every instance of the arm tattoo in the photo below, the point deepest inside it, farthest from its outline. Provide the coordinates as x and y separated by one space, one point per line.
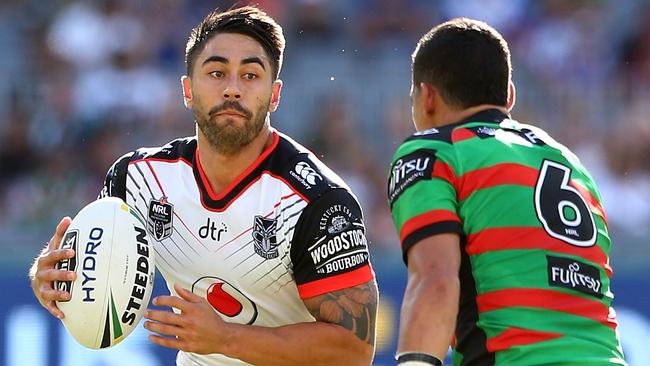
353 308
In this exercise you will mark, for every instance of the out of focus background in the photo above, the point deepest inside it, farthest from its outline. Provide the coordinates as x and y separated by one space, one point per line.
83 82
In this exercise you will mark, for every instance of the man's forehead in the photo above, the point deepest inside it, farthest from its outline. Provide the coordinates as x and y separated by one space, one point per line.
234 47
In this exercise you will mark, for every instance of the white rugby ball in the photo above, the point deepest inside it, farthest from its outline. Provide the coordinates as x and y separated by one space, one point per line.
115 267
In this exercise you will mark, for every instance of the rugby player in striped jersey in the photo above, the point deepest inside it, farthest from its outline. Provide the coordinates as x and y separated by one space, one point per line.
502 228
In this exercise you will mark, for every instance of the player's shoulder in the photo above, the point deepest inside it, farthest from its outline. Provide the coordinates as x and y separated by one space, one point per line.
446 138
301 169
426 142
180 148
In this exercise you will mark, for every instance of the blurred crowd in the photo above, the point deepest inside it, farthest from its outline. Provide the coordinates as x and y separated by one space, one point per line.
83 82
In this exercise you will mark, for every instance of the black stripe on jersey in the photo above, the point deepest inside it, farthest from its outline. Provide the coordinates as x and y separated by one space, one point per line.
444 133
426 231
115 182
471 341
144 180
267 273
283 161
278 279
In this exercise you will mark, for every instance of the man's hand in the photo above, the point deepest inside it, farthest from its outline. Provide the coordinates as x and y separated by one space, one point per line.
198 328
43 274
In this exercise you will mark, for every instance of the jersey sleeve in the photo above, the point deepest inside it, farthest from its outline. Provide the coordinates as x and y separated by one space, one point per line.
115 181
421 195
329 250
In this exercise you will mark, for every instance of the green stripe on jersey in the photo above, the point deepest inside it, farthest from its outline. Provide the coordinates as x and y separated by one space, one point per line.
499 206
596 342
412 202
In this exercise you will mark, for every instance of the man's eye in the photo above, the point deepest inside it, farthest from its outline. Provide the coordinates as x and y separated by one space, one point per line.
249 76
216 74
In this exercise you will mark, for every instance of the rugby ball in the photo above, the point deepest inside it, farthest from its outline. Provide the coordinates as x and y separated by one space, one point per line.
115 267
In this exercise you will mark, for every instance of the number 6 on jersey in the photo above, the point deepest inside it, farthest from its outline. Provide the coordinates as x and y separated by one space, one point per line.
560 207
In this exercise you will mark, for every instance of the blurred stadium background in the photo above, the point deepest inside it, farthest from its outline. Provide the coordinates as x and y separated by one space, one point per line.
82 82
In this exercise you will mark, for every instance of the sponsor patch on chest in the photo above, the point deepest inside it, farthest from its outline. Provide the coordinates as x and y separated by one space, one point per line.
575 275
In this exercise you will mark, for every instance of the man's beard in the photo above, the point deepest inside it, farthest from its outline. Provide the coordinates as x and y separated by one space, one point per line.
228 139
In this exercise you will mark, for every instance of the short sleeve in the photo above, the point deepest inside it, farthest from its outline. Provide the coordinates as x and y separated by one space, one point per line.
329 250
422 196
115 181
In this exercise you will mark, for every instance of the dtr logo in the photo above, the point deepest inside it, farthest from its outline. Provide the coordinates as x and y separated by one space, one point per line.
210 230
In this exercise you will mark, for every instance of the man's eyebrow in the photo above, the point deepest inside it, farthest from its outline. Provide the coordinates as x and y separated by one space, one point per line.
215 58
253 59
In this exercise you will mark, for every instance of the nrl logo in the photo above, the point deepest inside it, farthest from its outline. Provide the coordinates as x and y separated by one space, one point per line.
159 222
266 243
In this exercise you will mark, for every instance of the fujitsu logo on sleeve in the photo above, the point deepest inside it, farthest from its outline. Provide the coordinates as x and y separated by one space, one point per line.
408 170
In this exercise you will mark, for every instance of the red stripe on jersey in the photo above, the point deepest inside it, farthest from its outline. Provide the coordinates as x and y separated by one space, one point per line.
506 173
424 219
461 134
156 177
548 300
162 160
236 181
506 238
336 282
444 171
591 200
518 337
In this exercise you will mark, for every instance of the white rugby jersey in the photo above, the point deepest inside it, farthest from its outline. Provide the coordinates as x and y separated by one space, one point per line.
287 229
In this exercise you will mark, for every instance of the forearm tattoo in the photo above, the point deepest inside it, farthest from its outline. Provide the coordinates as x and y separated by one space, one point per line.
353 308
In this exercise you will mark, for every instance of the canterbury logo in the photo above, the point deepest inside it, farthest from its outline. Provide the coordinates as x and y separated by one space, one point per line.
307 173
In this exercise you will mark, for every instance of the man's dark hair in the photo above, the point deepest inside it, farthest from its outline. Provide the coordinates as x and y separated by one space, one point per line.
247 20
466 60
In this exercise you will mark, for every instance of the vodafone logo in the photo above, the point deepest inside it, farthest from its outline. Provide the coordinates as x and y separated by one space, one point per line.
227 301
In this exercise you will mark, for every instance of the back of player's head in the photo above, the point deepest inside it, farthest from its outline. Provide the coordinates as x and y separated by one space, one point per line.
247 20
466 60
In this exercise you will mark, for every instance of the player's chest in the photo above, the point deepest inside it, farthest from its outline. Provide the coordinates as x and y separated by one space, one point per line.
243 243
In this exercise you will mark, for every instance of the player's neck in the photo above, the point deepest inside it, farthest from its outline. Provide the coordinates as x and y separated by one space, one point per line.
449 116
220 169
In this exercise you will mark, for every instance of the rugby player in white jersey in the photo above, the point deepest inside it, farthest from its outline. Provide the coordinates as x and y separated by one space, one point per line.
262 247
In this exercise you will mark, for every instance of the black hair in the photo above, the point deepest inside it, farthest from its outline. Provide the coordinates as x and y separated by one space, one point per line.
466 60
247 20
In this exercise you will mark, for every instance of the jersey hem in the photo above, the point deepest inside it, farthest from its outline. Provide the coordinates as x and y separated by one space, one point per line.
441 227
338 282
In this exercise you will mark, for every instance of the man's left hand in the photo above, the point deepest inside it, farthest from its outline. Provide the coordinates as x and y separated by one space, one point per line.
197 328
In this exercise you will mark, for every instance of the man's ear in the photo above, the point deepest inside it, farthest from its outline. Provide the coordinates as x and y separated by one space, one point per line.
275 95
512 96
186 85
430 96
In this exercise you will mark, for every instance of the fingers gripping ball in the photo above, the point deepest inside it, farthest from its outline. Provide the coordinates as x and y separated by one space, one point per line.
115 266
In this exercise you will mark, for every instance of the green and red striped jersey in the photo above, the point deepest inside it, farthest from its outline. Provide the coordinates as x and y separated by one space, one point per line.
535 274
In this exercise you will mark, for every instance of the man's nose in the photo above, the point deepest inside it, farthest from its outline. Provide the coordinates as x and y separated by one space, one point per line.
232 91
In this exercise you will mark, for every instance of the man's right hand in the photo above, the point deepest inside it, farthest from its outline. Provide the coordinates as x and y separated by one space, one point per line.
43 274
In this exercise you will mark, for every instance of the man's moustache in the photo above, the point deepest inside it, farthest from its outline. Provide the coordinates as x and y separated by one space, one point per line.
230 105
